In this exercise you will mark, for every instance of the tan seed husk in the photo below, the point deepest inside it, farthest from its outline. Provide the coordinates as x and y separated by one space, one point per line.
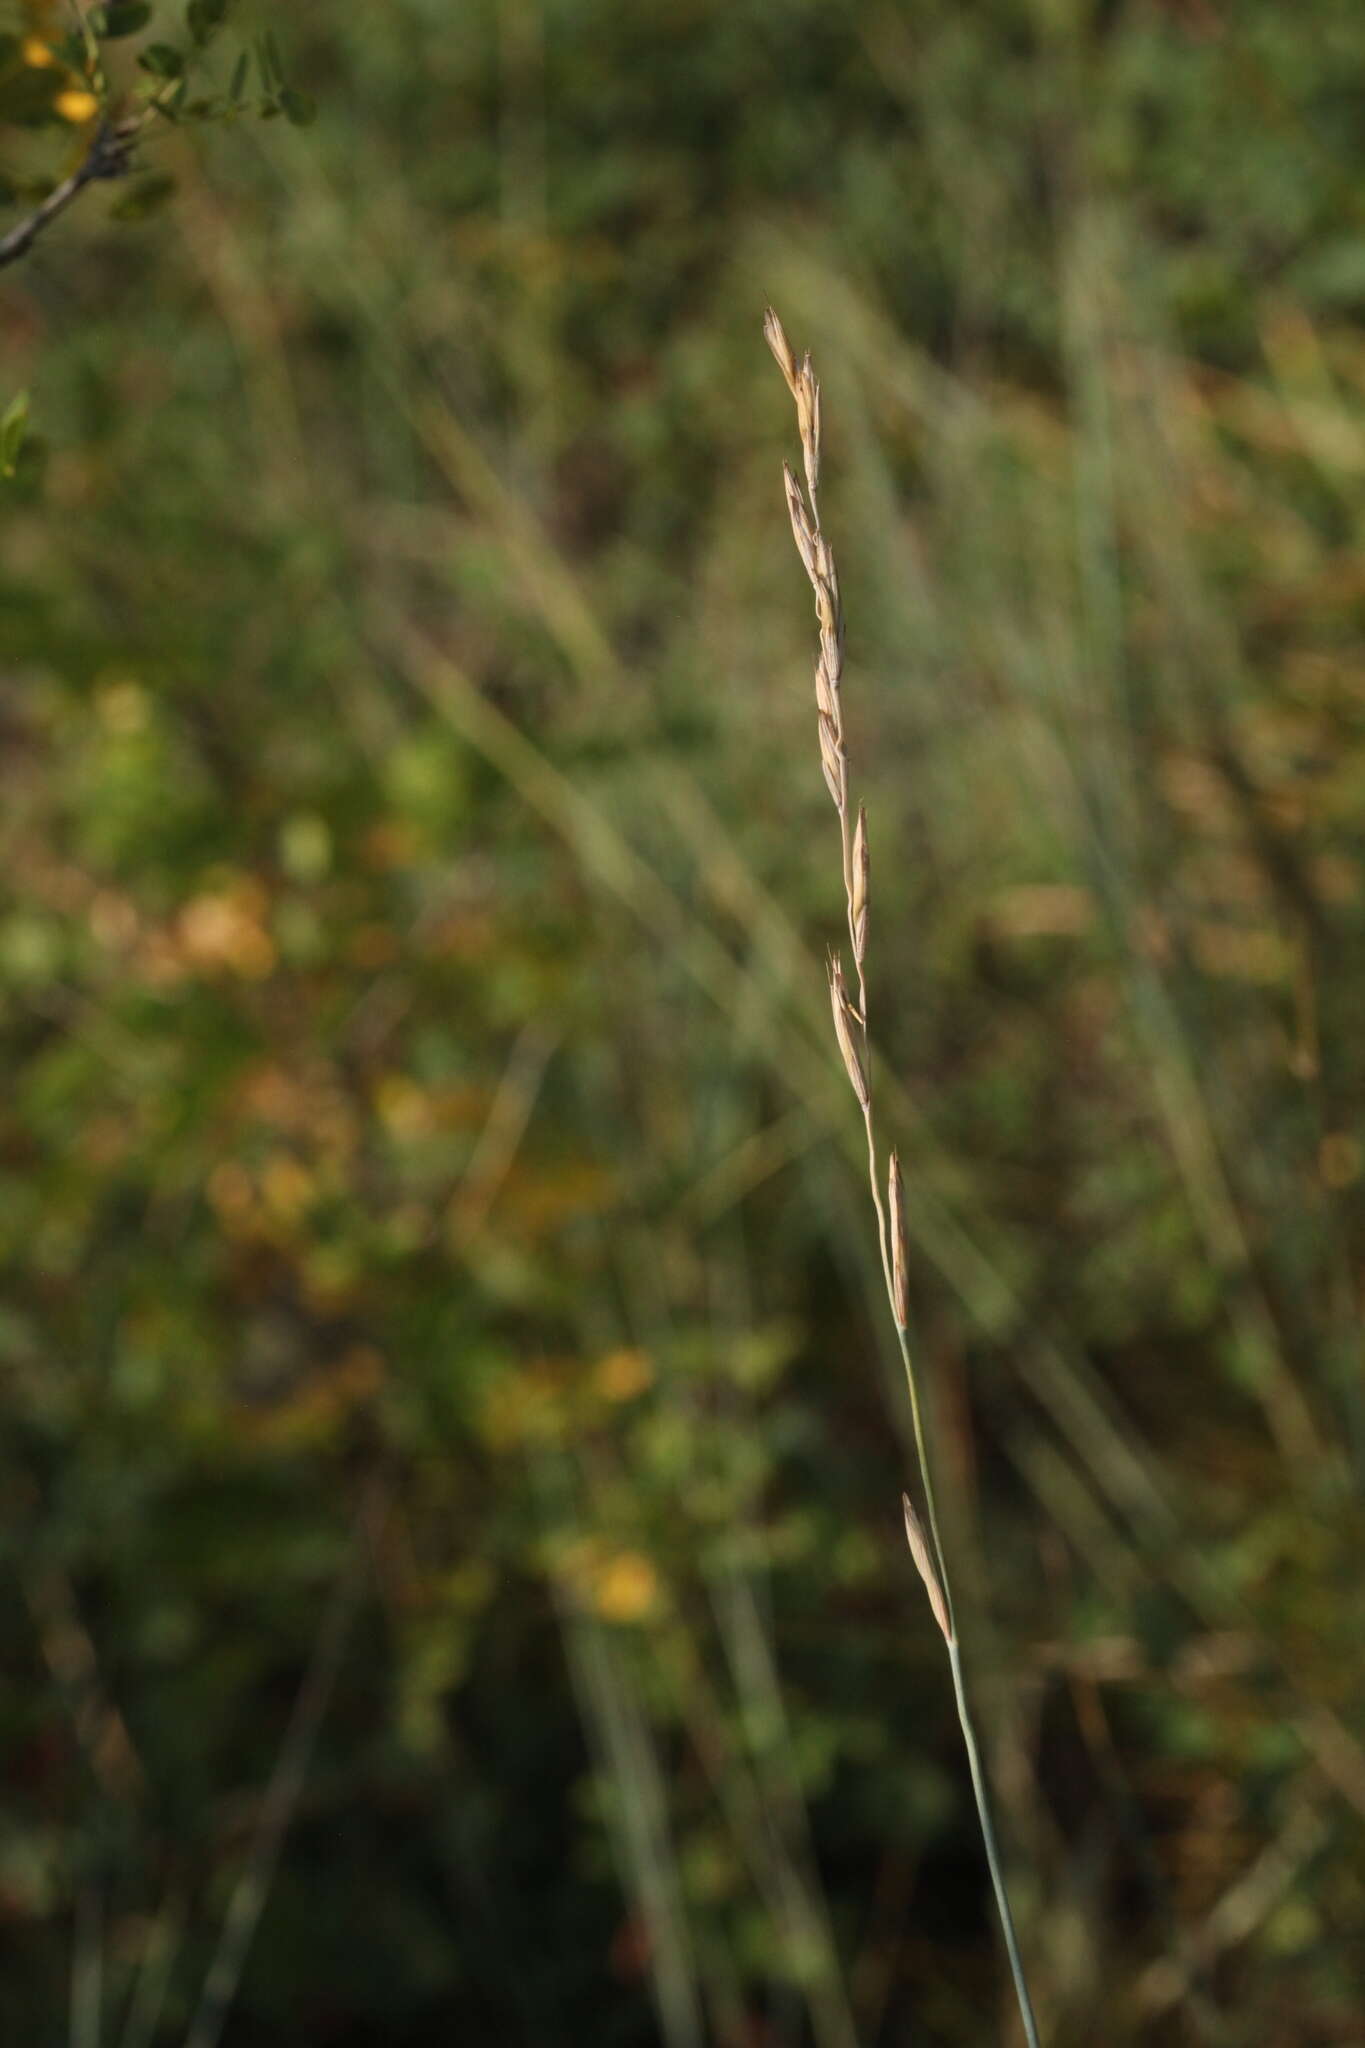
824 694
900 1287
775 334
827 612
802 531
924 1565
832 760
846 1019
807 396
858 899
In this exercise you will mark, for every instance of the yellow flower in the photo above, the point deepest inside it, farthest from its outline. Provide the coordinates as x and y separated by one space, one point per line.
621 1375
36 54
626 1587
76 105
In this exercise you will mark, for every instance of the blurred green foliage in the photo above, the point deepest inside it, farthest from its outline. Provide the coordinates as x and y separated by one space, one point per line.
451 1452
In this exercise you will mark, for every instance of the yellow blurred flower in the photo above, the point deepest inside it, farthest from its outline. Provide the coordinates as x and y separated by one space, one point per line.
76 105
36 54
625 1587
621 1375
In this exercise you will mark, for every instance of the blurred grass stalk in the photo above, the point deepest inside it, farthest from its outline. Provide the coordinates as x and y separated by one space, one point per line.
851 1032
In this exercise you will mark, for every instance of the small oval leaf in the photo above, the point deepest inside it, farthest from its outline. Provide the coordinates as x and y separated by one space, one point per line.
163 60
122 18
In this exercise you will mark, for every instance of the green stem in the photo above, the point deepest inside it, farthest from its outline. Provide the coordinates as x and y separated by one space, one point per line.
979 1787
983 1813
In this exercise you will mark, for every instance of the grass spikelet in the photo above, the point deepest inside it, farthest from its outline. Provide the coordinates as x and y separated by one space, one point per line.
895 1202
858 896
847 1023
924 1565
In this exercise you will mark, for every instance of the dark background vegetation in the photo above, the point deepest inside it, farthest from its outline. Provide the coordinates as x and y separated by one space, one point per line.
446 1407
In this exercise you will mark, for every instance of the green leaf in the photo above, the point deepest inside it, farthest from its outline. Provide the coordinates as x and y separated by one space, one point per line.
268 59
238 85
163 60
122 18
298 107
168 98
13 427
145 197
204 18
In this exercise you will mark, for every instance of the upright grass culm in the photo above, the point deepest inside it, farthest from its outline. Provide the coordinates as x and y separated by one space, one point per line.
851 1033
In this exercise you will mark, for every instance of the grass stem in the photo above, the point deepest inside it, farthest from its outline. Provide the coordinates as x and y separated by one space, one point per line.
852 1035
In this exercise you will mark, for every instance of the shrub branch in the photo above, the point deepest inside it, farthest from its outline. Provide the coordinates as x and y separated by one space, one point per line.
107 157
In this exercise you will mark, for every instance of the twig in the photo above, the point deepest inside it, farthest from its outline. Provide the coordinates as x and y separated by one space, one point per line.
107 157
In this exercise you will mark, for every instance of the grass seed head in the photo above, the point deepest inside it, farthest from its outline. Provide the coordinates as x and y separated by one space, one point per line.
824 693
833 761
803 533
846 1021
924 1565
857 907
807 395
775 334
900 1287
826 597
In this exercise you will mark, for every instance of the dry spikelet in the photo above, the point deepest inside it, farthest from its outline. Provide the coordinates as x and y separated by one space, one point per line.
832 646
775 334
924 1565
832 760
900 1288
858 900
802 532
845 1018
827 605
823 693
807 395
